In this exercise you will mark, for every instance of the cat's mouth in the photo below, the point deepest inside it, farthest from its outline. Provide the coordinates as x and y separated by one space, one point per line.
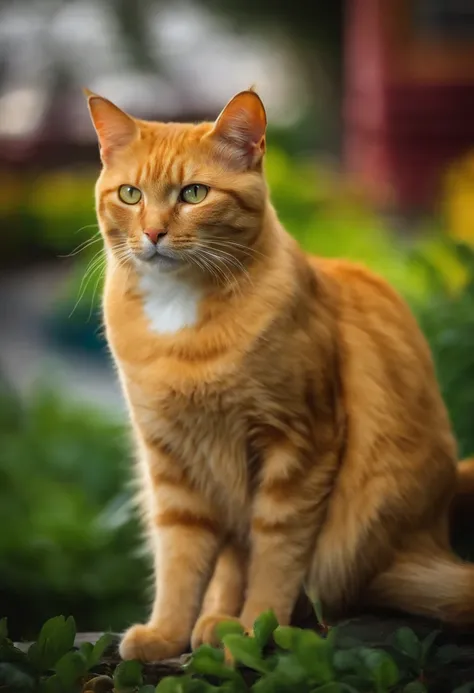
161 259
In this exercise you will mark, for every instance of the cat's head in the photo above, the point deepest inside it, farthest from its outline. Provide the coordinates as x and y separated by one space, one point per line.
182 197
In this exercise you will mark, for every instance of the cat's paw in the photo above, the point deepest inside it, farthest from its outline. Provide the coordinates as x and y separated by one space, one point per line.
148 643
205 629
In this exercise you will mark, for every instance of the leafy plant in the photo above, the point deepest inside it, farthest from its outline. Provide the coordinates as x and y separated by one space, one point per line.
276 659
53 665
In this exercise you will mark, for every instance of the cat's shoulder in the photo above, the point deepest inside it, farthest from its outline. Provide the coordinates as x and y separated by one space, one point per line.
355 278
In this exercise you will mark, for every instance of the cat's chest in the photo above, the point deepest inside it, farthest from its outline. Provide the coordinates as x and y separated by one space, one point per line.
168 303
208 437
208 431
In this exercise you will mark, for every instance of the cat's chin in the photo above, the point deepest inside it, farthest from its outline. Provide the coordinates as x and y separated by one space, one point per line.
161 263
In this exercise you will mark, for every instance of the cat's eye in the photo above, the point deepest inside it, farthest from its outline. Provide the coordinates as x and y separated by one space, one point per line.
129 194
193 194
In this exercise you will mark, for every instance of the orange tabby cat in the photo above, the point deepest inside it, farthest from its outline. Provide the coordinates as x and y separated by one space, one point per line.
290 431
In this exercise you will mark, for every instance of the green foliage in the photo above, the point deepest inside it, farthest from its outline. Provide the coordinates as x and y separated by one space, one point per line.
53 665
209 661
49 208
264 628
447 319
55 640
128 676
292 661
70 522
330 220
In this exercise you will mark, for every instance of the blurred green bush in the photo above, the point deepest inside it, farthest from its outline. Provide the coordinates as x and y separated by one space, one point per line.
446 316
68 538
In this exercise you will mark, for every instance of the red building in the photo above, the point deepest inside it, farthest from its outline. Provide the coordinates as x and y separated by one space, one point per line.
409 106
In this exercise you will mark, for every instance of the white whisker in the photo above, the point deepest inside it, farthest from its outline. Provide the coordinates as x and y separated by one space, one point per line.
83 246
95 263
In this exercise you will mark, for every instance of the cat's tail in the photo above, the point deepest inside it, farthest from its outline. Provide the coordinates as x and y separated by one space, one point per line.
465 487
428 579
438 586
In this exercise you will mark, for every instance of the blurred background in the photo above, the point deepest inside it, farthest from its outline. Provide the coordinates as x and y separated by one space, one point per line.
371 157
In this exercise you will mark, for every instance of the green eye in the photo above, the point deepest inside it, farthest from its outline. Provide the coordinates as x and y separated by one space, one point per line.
129 194
193 194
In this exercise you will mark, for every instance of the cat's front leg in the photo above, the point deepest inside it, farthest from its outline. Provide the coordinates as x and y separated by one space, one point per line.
186 536
288 513
224 596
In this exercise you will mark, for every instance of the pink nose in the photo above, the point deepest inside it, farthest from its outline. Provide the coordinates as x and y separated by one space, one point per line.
155 234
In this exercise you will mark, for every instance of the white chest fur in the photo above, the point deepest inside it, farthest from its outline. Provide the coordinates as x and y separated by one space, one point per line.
169 302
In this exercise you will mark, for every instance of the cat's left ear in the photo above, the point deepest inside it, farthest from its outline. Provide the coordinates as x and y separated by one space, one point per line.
240 128
115 129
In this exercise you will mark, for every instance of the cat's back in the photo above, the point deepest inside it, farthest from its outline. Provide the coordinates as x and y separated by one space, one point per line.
378 333
387 367
368 305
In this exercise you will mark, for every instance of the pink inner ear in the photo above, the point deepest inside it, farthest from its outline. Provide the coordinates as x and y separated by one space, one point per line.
242 125
114 128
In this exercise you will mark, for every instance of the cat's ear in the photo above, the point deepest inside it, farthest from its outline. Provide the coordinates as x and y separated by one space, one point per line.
240 128
115 129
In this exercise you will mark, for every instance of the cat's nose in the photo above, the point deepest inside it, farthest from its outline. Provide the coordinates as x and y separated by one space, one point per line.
155 234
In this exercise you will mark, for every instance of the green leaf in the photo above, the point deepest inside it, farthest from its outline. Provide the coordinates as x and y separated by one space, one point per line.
246 651
206 650
347 660
318 610
383 669
147 689
264 627
71 668
235 686
228 628
208 661
286 637
55 639
288 676
183 684
3 629
427 644
99 648
357 683
415 687
332 687
34 656
273 683
128 675
86 650
315 654
59 629
407 642
9 653
332 638
52 685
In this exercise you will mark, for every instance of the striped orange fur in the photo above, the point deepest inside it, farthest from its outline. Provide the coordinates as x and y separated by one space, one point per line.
290 431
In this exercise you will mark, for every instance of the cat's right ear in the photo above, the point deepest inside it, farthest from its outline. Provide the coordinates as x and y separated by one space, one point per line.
115 129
